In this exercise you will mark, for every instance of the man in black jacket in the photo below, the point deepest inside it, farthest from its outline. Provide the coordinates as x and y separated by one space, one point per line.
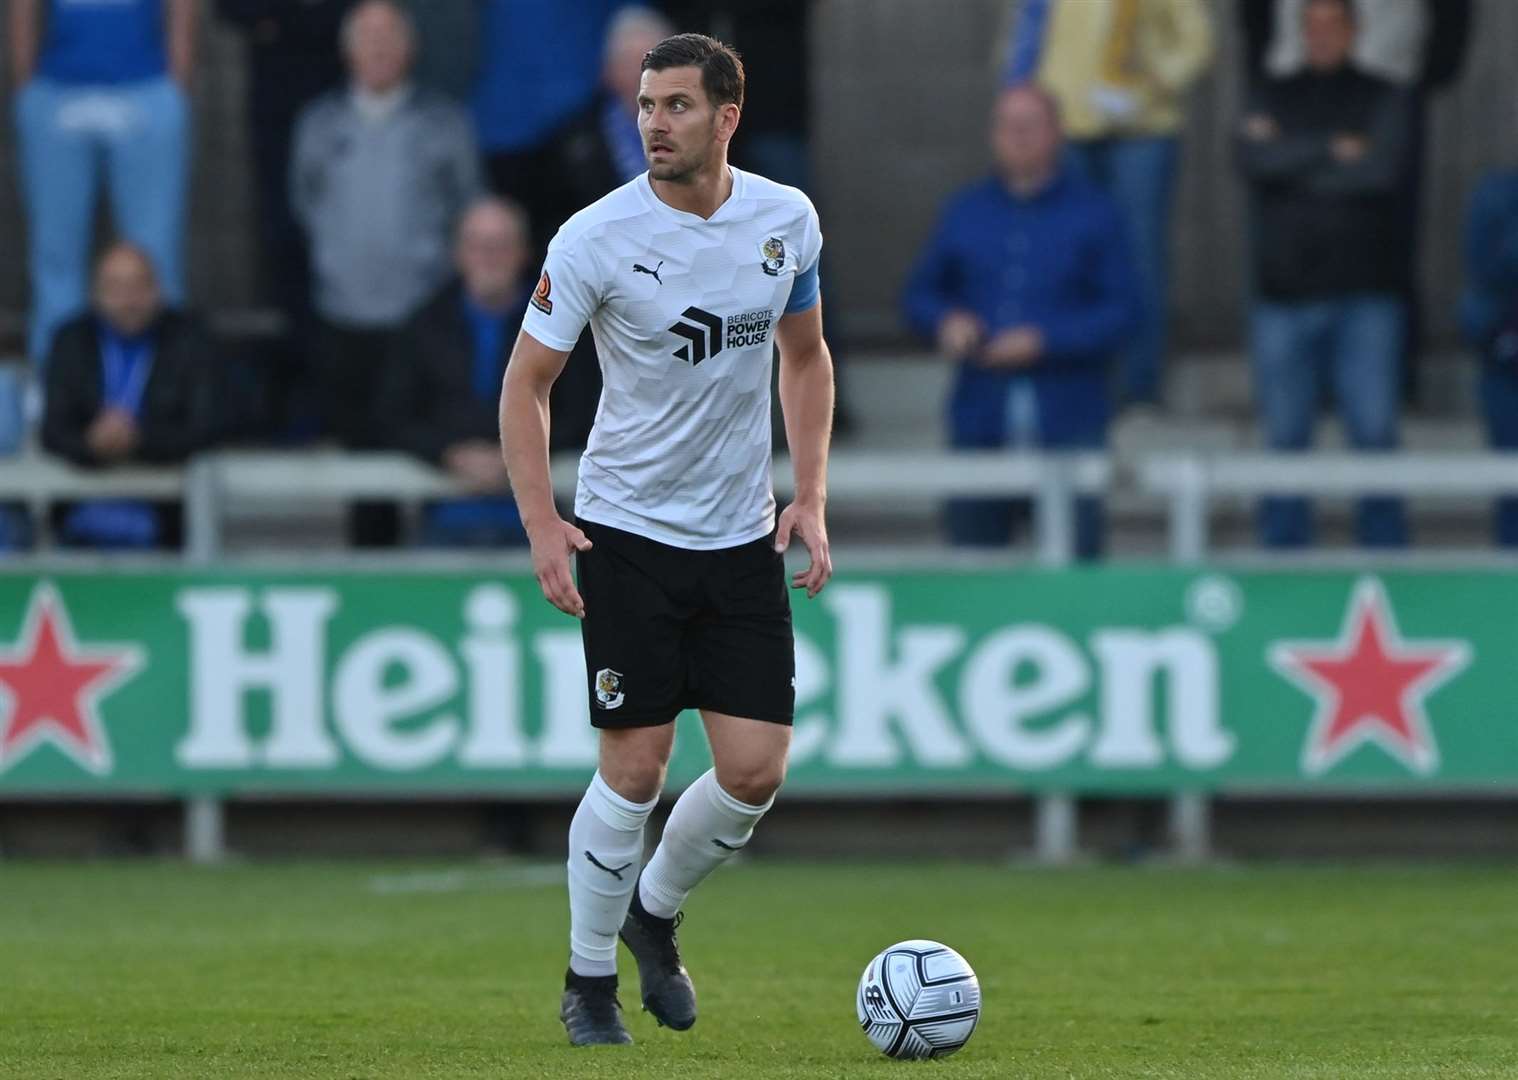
128 381
1324 153
443 379
1418 44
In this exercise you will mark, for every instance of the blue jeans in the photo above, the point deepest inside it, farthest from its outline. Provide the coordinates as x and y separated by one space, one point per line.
1354 342
1499 404
992 522
1139 174
137 137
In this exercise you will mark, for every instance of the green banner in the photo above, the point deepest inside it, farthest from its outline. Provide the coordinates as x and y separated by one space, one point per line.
1100 681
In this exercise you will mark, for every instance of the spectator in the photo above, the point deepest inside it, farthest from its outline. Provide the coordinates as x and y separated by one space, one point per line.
443 389
102 90
1417 44
1414 43
1027 284
382 171
130 381
540 68
1490 316
601 148
293 58
1120 70
1323 154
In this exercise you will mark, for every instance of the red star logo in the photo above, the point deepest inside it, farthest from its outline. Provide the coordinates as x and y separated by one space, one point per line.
1370 685
50 687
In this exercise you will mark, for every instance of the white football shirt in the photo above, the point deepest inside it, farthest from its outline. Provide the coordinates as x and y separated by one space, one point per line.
683 310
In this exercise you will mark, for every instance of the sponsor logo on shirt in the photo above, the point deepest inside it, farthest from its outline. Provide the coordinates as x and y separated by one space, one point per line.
540 294
706 334
750 328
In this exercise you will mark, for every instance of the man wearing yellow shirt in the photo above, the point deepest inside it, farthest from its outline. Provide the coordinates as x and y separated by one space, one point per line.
1120 70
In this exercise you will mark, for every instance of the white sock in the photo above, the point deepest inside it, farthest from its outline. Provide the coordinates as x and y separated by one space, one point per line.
605 847
705 829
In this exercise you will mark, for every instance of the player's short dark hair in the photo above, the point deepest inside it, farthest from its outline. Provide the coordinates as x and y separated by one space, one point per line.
721 67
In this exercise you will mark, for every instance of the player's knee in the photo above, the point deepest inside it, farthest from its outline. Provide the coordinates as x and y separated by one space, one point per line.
754 783
635 769
636 779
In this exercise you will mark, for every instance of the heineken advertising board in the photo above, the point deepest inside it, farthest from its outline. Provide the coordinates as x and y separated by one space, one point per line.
1100 681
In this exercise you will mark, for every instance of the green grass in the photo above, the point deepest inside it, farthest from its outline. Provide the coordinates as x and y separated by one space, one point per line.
355 971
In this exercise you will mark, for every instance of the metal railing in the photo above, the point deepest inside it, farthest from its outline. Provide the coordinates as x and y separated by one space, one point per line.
1192 483
1189 484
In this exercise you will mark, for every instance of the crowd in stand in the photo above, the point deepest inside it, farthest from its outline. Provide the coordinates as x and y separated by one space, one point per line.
1052 335
411 162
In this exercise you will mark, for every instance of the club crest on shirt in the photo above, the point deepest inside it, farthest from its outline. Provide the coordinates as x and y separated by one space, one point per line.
772 251
609 688
540 295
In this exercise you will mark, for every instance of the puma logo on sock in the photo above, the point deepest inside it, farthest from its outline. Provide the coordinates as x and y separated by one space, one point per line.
728 847
599 865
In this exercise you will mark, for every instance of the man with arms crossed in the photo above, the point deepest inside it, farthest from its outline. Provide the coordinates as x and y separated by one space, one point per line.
688 276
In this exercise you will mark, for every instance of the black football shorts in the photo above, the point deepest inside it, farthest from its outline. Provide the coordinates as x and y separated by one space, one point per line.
668 628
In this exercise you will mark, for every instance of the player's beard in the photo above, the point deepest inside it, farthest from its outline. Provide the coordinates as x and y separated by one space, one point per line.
683 168
680 170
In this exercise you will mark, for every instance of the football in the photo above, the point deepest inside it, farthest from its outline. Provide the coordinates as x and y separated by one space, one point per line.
918 999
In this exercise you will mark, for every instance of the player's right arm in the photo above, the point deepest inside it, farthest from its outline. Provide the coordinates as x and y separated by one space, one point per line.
530 376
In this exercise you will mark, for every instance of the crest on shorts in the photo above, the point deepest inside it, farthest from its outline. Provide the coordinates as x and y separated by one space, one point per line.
773 253
609 688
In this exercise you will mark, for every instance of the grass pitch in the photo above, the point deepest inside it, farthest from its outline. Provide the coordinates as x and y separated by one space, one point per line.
158 971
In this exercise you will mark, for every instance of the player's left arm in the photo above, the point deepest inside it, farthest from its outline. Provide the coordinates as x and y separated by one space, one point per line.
806 400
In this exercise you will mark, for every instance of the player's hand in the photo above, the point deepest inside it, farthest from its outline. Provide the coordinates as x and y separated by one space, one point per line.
805 520
1014 348
552 545
960 334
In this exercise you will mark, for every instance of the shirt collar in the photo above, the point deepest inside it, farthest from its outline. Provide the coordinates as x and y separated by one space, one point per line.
111 336
382 106
646 189
1056 181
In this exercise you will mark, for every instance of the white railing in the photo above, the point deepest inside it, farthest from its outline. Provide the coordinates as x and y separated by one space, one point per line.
1189 483
217 483
1192 483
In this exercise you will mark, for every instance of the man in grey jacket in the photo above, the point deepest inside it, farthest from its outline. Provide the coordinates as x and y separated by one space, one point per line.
382 169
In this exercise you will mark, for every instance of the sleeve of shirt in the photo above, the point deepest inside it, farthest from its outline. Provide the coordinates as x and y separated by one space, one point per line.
805 289
1190 47
304 177
568 293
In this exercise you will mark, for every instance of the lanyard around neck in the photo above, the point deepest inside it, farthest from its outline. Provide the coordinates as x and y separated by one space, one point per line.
126 371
